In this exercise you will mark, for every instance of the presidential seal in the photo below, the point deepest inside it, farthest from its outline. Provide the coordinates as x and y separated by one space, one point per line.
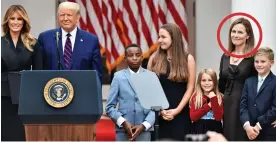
58 92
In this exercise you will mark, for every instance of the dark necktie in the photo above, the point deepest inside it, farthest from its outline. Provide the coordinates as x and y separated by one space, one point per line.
67 52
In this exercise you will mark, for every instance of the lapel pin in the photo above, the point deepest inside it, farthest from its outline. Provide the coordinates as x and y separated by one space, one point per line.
81 40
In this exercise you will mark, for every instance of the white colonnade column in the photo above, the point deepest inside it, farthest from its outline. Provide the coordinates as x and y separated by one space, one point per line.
265 12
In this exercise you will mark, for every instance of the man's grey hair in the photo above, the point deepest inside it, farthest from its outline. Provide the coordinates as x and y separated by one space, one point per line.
69 5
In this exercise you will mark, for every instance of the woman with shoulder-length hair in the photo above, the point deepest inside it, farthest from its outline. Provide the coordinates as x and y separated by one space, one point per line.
19 51
233 73
175 68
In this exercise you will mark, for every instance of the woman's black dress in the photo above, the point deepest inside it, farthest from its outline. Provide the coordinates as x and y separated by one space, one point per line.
177 128
231 82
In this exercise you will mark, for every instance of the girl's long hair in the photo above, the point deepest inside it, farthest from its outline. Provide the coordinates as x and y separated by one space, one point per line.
198 94
179 64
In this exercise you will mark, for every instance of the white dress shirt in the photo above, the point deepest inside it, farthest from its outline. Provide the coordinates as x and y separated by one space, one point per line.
72 38
121 119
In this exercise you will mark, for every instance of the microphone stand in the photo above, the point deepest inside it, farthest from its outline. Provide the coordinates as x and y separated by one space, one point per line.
156 110
57 45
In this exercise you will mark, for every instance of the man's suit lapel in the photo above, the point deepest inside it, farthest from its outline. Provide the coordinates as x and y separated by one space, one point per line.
77 47
265 83
255 86
128 76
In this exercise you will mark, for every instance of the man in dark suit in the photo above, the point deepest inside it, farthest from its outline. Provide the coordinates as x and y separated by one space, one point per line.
78 49
258 101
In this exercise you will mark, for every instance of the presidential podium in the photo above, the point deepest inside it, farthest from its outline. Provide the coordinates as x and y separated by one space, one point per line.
60 105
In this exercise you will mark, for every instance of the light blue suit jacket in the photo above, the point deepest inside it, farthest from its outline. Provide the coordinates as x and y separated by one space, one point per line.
123 93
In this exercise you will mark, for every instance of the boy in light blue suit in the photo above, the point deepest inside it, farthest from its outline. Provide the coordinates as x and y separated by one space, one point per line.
133 122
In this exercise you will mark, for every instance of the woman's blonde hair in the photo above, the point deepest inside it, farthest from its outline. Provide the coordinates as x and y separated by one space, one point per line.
26 36
179 61
250 42
198 94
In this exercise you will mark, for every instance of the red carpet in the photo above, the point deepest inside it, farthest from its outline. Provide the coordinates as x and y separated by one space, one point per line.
105 130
